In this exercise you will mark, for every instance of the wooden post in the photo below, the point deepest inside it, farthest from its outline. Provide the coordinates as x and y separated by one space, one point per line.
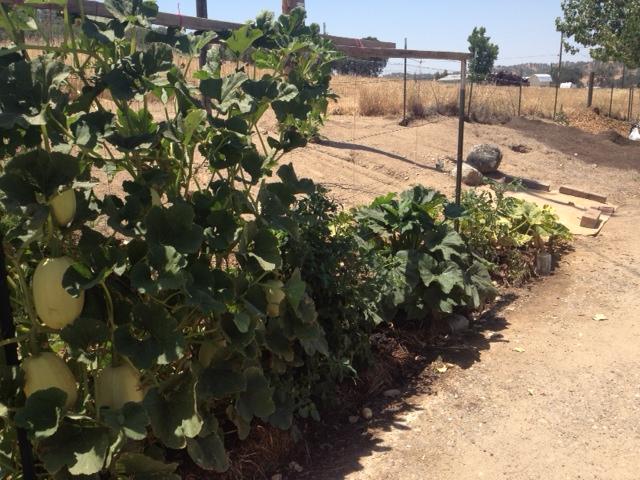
470 98
631 95
555 102
592 76
10 352
288 5
613 85
404 95
463 86
520 95
201 11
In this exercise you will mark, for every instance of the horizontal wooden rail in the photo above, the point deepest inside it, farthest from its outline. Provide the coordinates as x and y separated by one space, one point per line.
401 53
97 9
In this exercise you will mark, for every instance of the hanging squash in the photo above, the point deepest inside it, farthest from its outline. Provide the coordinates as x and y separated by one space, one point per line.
55 307
48 370
116 386
63 207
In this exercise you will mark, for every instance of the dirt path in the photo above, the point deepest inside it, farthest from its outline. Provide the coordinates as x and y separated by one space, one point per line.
567 405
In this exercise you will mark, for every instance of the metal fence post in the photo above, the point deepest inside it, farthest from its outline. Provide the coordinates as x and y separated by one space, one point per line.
592 76
461 103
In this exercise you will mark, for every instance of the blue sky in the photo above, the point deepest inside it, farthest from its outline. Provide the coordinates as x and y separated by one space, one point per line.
524 30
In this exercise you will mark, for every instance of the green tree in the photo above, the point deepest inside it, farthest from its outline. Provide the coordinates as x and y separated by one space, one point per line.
610 28
483 54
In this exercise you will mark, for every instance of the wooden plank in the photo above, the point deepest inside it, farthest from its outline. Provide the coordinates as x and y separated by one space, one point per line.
359 42
576 192
401 53
97 9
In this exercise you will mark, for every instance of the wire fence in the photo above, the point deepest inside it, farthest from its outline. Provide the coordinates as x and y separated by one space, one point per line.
429 94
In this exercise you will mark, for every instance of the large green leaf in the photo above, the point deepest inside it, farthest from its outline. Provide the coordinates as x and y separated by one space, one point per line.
241 39
174 226
42 413
141 467
80 447
257 400
174 414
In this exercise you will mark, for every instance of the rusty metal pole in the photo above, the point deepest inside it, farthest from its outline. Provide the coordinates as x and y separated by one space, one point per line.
461 104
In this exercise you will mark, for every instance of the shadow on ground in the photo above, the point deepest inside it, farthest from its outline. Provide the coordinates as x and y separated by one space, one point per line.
607 149
336 449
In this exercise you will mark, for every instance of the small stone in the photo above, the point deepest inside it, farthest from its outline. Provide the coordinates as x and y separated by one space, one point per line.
394 392
367 413
470 175
296 467
353 419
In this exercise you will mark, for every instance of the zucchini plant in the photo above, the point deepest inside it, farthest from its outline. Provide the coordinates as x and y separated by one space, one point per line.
431 271
153 311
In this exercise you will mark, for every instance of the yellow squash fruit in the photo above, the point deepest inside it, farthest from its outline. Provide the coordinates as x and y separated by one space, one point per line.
116 386
63 207
48 370
55 307
274 291
275 295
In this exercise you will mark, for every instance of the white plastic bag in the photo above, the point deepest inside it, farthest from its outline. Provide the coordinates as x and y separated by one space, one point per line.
635 133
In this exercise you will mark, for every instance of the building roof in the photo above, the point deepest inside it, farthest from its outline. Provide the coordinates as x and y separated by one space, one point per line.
543 77
452 77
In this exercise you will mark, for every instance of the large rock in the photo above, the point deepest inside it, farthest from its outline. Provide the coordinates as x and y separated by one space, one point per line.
485 157
470 175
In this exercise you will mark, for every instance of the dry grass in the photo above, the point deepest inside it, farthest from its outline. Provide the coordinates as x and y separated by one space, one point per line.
489 103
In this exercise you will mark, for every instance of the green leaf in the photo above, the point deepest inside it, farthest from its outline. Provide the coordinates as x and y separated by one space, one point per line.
174 226
174 414
241 39
295 289
152 338
219 381
42 412
82 448
141 467
208 452
257 400
132 419
192 122
44 171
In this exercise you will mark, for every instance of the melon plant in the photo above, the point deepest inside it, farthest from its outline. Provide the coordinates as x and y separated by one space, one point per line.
159 308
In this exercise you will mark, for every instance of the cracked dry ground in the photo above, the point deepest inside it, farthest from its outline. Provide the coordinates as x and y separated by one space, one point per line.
552 394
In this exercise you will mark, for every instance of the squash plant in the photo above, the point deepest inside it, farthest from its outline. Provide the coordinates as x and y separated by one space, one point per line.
431 271
156 314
